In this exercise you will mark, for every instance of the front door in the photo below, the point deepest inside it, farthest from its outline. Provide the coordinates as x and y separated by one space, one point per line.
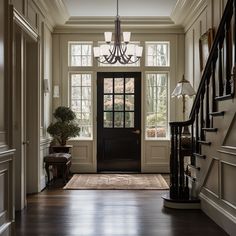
119 121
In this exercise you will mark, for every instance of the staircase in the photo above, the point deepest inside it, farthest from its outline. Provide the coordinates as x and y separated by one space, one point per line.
212 114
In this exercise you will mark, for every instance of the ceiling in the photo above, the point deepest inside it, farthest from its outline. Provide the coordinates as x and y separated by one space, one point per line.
104 8
99 14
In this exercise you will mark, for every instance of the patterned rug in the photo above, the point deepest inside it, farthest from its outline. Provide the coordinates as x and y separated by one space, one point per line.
117 181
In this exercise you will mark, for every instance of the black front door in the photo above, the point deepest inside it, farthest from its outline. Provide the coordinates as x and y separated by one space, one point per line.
119 121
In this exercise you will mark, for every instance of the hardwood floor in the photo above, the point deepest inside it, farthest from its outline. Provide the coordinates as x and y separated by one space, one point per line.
56 212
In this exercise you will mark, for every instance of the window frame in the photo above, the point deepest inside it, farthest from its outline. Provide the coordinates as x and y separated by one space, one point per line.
157 42
70 73
167 72
79 43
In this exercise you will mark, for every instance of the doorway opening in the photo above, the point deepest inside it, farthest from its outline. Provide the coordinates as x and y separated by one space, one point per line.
26 115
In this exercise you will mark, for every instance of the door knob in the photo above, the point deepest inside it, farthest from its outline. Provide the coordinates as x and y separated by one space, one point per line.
136 131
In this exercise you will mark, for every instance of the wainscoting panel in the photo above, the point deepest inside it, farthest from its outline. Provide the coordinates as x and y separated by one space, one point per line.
212 181
228 172
82 156
156 156
6 192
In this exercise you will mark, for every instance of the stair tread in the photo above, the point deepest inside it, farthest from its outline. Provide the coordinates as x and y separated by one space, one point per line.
204 142
194 167
199 155
224 97
210 129
191 177
217 113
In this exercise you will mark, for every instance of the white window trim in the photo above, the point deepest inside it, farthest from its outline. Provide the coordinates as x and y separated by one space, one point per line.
157 42
92 99
80 43
168 105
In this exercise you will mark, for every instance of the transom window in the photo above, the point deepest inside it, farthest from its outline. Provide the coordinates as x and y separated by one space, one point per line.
81 101
80 54
157 54
156 125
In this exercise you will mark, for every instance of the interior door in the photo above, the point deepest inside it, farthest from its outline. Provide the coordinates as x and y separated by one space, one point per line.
119 121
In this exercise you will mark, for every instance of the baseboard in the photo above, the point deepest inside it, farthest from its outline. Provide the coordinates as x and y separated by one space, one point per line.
42 182
218 214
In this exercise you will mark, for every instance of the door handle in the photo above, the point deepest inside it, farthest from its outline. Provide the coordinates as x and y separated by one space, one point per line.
26 142
136 131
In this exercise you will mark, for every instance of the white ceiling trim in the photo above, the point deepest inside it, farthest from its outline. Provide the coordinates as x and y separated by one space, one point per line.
55 10
109 21
183 15
100 30
185 12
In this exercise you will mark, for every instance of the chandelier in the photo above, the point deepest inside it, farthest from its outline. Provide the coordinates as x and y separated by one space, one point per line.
117 51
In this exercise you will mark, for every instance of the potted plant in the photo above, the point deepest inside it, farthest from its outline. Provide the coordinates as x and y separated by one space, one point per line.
65 126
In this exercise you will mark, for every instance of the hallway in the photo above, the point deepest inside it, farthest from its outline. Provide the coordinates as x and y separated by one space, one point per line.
56 212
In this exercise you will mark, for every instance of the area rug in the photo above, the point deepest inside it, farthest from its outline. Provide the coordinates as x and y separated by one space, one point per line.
117 181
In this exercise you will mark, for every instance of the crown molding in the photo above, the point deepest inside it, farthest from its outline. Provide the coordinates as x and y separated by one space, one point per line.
166 21
48 20
186 12
54 10
94 29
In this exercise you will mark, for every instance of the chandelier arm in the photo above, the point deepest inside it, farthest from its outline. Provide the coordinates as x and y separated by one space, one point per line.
112 55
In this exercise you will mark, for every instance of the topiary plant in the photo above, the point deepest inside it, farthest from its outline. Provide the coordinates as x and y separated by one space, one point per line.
65 126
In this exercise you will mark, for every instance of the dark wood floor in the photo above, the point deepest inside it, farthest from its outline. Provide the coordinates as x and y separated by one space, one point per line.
108 213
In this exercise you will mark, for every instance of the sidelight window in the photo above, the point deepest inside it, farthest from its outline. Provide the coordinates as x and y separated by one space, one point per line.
81 101
156 107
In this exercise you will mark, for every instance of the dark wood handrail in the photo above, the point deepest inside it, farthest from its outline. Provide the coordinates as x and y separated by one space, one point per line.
207 69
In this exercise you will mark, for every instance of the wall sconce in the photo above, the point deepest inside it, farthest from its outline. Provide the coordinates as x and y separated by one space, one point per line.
46 88
56 91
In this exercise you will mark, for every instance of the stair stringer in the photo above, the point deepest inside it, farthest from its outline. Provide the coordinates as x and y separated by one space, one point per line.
220 205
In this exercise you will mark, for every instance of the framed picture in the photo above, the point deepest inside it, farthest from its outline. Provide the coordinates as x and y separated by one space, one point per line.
205 43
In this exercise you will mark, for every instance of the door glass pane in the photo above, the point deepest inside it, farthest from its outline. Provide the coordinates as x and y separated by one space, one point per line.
108 102
129 119
107 119
118 119
108 85
119 102
129 85
119 85
129 102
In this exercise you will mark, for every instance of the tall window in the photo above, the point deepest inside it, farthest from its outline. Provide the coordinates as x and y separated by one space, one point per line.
156 105
80 54
157 54
81 101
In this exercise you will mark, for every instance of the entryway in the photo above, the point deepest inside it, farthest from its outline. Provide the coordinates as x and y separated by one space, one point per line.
119 121
26 116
